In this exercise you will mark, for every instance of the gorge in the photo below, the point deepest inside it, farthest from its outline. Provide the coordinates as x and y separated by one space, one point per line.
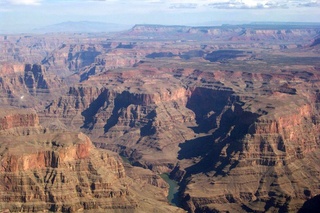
230 113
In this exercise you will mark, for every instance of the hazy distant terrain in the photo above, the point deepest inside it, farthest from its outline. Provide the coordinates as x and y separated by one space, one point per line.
81 27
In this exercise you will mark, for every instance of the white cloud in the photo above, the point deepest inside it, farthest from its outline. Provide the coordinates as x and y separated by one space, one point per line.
225 4
258 4
183 6
221 4
24 2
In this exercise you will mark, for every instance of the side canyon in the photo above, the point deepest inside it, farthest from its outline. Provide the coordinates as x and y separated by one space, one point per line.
231 113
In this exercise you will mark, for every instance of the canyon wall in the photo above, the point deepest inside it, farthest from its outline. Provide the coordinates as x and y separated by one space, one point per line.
26 85
222 123
271 168
232 113
57 170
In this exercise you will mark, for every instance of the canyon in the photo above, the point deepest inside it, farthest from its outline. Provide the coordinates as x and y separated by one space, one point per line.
231 113
61 171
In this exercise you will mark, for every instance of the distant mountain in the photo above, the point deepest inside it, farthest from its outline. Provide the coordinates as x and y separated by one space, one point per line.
285 23
81 27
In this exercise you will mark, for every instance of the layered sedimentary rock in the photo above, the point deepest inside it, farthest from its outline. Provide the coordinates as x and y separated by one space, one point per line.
27 84
260 154
17 118
57 171
231 112
252 128
113 114
45 170
271 168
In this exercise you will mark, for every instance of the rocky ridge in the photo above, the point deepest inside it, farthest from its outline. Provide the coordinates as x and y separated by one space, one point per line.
55 170
49 170
244 32
23 85
236 130
234 118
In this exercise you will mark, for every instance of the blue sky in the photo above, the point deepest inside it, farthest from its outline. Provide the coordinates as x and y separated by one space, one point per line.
25 15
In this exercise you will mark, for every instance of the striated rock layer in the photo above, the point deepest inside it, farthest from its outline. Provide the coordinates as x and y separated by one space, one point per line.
61 171
27 85
235 145
122 120
57 171
231 112
273 168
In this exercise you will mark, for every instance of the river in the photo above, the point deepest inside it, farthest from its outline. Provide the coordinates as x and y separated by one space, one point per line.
173 196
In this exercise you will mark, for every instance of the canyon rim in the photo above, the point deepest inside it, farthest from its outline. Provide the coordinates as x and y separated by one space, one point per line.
231 113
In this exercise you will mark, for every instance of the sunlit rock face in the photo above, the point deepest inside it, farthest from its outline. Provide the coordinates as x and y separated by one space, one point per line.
56 170
26 85
232 113
43 169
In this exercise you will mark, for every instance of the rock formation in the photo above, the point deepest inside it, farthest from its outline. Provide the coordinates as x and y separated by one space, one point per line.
232 131
232 113
61 171
271 168
246 32
57 171
25 85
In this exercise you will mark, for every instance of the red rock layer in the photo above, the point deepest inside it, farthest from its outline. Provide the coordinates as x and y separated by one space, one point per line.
11 118
272 168
56 171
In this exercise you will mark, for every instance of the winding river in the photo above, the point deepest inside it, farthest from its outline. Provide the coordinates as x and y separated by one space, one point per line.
173 190
173 194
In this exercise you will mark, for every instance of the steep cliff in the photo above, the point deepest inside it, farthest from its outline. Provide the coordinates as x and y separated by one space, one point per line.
120 119
270 168
27 84
261 161
232 112
54 170
17 118
212 129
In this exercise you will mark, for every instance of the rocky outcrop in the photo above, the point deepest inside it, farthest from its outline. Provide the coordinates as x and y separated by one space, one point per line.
16 118
27 48
232 112
110 112
34 78
27 84
58 170
72 57
259 168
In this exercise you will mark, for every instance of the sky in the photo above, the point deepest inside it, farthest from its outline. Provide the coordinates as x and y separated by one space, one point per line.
25 15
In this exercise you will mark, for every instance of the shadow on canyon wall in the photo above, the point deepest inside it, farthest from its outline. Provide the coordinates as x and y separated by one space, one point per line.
221 113
311 206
